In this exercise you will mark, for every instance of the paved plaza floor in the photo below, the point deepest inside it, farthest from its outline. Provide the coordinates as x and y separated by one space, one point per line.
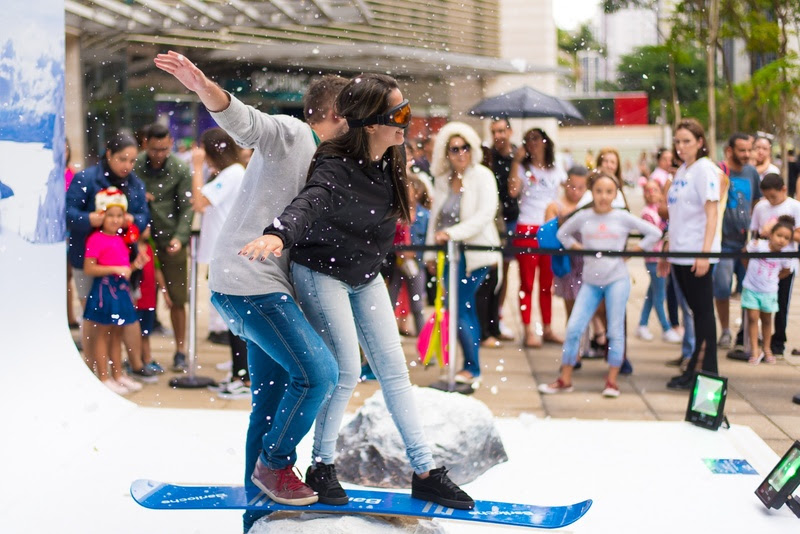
759 396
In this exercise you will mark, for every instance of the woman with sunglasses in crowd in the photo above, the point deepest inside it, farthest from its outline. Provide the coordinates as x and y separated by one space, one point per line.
464 208
341 227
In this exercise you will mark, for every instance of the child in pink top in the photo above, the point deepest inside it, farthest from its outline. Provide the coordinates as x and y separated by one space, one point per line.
109 307
657 292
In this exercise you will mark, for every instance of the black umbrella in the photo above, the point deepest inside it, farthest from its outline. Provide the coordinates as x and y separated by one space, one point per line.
525 103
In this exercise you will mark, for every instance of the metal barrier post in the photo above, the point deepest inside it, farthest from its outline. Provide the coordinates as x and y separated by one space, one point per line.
191 380
454 257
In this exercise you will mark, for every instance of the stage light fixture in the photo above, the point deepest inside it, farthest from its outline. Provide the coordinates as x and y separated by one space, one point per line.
707 401
776 490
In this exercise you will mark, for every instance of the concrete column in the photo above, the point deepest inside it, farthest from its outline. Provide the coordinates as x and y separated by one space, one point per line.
528 31
74 102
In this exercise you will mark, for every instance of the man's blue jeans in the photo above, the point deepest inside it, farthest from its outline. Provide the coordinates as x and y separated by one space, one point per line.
589 297
291 373
346 317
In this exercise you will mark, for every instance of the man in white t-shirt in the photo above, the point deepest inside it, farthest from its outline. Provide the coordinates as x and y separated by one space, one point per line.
762 157
776 202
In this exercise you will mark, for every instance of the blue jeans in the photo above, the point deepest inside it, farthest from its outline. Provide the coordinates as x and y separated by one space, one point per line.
656 294
589 297
345 318
291 373
723 272
469 326
687 346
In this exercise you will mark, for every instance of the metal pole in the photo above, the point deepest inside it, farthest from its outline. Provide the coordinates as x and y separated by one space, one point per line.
191 380
453 256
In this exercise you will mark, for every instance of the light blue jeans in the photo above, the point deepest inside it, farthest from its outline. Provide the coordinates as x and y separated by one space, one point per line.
346 316
656 294
589 297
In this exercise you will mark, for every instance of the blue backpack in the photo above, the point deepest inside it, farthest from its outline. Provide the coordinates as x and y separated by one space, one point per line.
547 238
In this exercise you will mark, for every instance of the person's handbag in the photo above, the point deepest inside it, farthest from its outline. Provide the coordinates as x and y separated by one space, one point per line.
547 237
433 339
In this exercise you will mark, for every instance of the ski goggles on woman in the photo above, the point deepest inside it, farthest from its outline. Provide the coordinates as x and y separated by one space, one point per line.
399 116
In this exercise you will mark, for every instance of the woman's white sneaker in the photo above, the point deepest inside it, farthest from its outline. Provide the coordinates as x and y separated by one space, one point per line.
672 336
644 333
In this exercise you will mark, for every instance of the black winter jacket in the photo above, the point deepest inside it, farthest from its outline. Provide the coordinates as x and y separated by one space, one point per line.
343 221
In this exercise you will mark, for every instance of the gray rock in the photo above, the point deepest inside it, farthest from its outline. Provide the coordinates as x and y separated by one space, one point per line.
310 523
460 431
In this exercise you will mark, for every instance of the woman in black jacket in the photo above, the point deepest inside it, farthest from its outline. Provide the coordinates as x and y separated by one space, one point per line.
340 228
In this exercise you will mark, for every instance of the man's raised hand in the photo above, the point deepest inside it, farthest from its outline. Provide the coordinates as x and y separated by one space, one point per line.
186 72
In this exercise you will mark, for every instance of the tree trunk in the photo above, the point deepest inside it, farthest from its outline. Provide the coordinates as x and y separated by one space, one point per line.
673 85
711 75
784 105
733 124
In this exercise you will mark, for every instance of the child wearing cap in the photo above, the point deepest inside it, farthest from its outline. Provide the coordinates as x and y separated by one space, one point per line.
109 307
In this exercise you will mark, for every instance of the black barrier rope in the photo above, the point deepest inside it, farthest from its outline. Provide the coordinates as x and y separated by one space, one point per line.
609 253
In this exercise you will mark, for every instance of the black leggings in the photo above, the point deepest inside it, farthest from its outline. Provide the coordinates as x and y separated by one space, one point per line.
487 302
700 298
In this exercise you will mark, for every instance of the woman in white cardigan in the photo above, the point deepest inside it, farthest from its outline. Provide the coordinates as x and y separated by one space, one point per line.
465 203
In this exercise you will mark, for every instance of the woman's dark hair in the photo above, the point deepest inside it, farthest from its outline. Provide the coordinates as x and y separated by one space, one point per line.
120 141
549 148
694 127
365 96
221 150
784 221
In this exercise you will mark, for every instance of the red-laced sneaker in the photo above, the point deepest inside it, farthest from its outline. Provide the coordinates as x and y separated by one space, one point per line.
611 390
556 387
282 485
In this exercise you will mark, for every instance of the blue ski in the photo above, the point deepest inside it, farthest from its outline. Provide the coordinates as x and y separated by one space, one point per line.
162 496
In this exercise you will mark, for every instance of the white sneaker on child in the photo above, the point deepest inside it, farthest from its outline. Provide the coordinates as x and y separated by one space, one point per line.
671 336
644 333
129 383
115 386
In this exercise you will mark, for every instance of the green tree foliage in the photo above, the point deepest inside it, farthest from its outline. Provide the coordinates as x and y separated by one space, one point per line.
647 69
569 44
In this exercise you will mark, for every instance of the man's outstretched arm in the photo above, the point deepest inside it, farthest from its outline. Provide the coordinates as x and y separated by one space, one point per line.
212 95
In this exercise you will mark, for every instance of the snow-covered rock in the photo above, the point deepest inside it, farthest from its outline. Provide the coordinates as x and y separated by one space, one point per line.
459 429
308 523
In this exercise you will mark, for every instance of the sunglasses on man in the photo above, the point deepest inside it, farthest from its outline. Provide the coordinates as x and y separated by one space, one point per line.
399 116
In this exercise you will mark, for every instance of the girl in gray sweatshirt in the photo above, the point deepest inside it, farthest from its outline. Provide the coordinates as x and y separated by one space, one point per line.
601 228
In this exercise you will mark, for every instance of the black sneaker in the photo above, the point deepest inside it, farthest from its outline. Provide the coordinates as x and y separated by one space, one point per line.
626 368
219 338
179 363
683 382
440 489
323 480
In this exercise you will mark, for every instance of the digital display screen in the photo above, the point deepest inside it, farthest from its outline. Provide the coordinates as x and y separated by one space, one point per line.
786 469
707 395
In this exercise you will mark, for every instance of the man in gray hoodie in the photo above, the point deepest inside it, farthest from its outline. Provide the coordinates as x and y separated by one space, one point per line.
291 368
